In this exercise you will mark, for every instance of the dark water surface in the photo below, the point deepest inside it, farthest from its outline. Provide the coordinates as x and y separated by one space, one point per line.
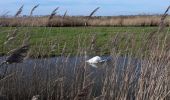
55 66
44 64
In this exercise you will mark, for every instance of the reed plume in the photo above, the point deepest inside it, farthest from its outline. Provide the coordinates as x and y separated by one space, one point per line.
65 14
9 40
11 37
19 11
32 10
162 23
53 13
17 55
91 14
14 33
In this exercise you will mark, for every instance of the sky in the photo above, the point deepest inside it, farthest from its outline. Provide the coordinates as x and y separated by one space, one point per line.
85 7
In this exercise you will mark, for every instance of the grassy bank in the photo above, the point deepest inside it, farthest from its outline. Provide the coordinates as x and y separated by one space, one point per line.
43 39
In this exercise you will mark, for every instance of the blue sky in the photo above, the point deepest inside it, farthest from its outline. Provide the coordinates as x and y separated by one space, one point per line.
84 7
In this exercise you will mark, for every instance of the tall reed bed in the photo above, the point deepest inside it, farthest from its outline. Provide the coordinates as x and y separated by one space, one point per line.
134 73
57 21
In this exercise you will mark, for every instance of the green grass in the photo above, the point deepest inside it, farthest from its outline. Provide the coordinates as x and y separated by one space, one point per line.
73 37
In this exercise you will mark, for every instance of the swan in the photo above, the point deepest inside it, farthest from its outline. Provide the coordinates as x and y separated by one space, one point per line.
95 60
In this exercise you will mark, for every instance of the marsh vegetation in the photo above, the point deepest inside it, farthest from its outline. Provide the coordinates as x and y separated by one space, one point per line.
139 69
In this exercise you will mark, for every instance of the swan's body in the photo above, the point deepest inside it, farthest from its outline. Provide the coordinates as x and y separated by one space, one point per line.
95 60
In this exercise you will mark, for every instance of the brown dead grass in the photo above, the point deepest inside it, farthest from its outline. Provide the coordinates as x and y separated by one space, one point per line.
81 20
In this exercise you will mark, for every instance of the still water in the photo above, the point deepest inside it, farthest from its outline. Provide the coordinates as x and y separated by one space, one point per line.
55 67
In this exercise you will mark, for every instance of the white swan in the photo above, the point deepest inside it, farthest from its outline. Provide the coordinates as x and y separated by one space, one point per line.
95 60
